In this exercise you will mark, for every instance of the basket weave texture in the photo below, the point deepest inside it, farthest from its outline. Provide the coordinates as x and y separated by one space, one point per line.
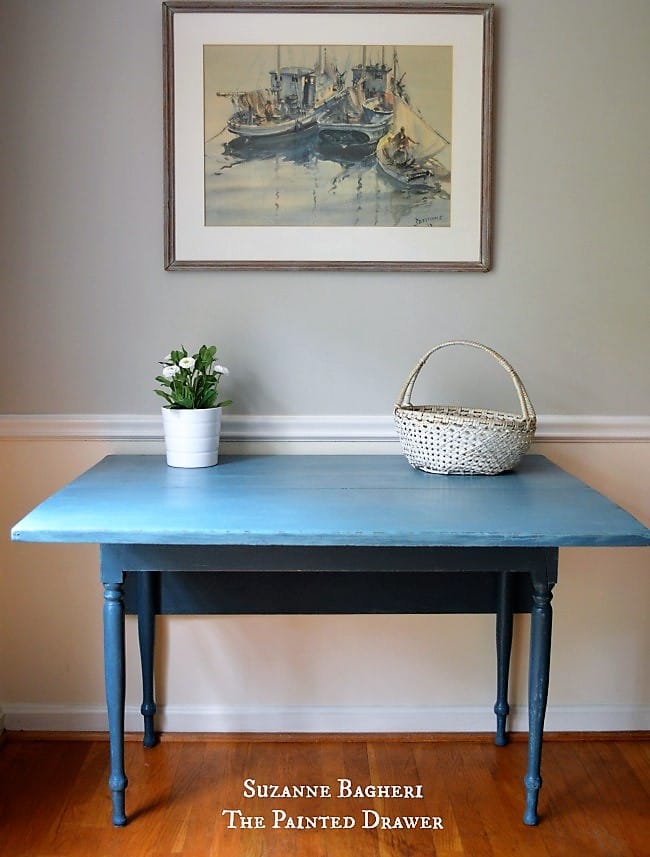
453 439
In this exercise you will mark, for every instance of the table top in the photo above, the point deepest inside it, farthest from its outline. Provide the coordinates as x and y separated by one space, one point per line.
373 500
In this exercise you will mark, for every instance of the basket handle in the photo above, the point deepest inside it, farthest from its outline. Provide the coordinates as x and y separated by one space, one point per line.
526 405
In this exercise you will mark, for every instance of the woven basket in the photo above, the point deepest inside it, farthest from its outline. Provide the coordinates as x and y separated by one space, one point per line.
452 439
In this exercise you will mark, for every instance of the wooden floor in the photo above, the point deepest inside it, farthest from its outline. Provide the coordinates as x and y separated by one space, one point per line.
54 799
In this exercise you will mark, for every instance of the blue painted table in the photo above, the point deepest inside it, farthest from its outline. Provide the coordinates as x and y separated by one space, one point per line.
326 534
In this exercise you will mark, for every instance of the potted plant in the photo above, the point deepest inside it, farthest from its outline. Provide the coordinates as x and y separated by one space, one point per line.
192 415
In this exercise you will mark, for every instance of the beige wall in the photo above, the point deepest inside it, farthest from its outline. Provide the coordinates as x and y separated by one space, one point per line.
86 310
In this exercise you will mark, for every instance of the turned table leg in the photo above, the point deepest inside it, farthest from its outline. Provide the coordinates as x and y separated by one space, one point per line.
114 673
538 676
146 637
504 647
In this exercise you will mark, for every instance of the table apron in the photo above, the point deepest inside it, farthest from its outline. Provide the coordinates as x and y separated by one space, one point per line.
279 580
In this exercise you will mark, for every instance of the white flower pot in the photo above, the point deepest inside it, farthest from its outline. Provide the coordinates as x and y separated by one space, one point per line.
192 436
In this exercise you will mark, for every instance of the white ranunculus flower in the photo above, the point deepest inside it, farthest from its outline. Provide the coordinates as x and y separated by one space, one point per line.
170 372
221 370
187 363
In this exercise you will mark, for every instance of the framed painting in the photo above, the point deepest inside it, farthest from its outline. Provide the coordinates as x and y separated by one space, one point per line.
345 134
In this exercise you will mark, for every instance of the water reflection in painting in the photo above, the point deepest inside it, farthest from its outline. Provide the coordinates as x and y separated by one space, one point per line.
327 136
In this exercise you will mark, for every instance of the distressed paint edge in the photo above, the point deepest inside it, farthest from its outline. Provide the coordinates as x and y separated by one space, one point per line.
361 429
326 719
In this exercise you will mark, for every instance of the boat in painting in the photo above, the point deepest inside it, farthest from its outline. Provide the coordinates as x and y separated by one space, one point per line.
364 115
351 125
413 154
296 98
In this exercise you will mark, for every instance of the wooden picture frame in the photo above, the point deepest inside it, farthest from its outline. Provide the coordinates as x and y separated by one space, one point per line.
295 136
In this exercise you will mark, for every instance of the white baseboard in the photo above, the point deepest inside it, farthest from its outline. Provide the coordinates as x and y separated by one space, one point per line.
327 719
367 431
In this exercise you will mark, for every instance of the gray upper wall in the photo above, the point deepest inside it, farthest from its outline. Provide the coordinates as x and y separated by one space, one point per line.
87 308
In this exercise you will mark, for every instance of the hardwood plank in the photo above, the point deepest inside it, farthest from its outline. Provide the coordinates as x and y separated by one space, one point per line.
34 791
436 800
621 794
235 768
638 758
396 765
349 761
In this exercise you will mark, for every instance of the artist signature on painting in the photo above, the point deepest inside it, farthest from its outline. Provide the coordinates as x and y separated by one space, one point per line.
428 221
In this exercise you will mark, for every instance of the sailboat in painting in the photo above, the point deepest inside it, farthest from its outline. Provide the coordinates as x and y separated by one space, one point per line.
359 120
295 99
355 122
413 154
